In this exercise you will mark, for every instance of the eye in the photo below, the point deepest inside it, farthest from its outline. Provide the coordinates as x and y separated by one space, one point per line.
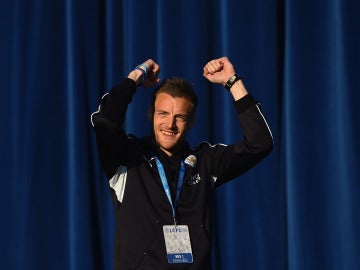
181 118
161 114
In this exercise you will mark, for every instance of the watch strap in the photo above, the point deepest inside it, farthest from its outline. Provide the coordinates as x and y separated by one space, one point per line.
231 81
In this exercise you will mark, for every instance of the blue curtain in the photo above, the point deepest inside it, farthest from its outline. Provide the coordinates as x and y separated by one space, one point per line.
299 209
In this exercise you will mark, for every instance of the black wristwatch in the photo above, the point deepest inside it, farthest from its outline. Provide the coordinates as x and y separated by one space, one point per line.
230 82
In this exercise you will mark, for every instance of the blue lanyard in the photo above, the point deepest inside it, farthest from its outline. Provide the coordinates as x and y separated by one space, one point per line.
166 184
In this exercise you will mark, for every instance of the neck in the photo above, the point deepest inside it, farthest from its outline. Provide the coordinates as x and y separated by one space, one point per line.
167 152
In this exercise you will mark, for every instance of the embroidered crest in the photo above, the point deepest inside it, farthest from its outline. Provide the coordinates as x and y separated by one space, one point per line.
195 179
191 161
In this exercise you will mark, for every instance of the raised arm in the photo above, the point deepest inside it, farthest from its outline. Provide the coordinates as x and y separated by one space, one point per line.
112 141
230 161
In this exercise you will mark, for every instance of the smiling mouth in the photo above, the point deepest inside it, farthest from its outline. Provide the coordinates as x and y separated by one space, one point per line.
168 133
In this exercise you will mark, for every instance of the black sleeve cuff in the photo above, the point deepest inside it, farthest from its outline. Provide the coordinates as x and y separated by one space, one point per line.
244 103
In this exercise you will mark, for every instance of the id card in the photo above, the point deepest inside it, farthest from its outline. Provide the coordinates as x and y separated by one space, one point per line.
177 241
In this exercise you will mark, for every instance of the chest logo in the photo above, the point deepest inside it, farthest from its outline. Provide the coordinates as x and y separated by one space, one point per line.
191 161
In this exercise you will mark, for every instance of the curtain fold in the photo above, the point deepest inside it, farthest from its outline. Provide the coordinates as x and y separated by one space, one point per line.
298 209
321 150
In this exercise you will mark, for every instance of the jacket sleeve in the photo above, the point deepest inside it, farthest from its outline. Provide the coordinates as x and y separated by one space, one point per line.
228 162
107 121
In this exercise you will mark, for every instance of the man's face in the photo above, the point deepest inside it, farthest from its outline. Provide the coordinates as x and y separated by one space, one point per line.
172 120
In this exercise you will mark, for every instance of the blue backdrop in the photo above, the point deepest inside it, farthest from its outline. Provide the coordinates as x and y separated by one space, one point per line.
299 209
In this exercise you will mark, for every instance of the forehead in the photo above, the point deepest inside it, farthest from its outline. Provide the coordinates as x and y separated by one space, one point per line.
169 103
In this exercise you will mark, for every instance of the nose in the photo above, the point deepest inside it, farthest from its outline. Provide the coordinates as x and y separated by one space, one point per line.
171 122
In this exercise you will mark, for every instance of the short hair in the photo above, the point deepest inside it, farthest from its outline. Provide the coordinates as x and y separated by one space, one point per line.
175 87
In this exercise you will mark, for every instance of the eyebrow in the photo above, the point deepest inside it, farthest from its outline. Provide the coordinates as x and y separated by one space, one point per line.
161 111
176 115
182 115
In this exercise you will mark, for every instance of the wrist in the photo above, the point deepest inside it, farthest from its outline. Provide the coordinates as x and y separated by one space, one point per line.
231 81
136 75
238 90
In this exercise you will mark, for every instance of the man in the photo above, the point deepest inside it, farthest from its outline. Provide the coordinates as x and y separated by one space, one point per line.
161 189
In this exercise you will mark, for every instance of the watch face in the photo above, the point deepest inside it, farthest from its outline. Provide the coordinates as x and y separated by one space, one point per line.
232 79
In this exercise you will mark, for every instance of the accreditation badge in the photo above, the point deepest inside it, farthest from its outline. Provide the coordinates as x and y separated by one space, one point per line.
177 241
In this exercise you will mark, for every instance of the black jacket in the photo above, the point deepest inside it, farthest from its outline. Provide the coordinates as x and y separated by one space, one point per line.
141 205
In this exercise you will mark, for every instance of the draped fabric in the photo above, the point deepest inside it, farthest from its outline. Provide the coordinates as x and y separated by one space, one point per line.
298 209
